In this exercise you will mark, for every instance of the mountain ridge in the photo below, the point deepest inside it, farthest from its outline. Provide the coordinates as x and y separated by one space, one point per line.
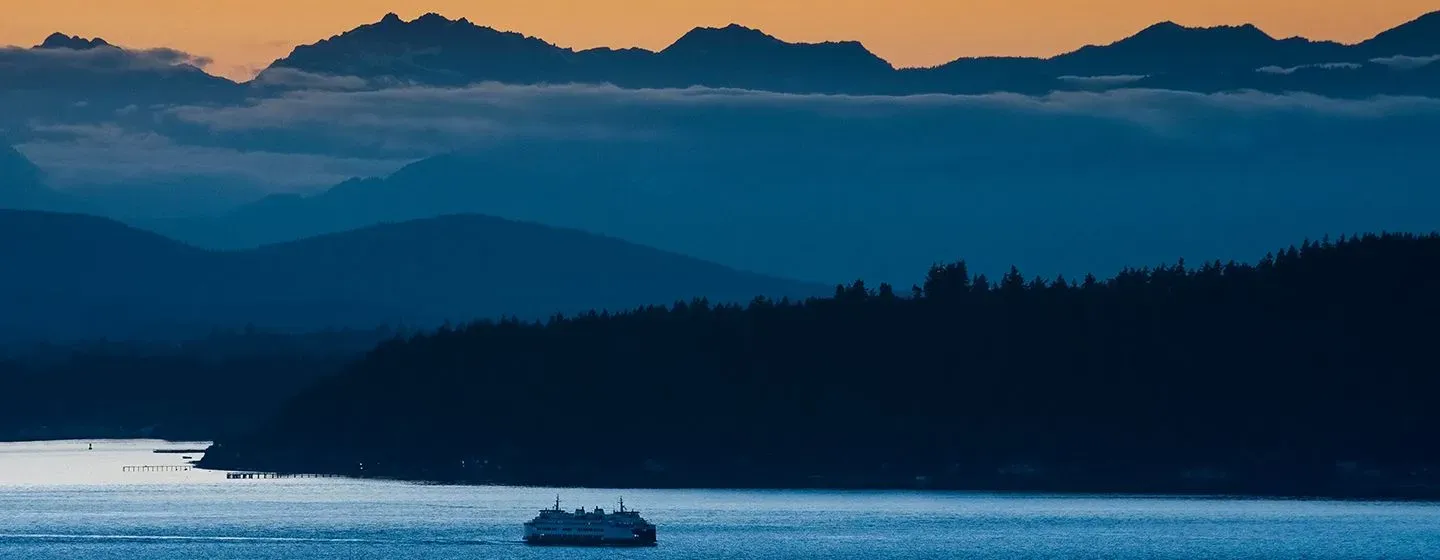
84 276
22 184
438 51
58 40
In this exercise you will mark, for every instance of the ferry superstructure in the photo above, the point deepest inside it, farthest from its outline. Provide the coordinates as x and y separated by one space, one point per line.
589 528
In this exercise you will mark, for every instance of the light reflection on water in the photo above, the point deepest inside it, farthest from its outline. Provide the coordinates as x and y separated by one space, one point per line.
60 500
96 463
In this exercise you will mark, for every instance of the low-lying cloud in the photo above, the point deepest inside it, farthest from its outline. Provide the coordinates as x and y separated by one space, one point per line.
1403 62
824 187
309 139
16 60
1101 81
1325 66
415 122
290 78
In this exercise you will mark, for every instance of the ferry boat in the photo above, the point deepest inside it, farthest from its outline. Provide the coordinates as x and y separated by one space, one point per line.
589 528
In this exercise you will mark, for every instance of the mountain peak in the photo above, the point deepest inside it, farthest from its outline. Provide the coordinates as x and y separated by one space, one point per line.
1170 30
59 40
737 28
430 49
428 19
1168 47
1418 37
744 49
730 36
1166 26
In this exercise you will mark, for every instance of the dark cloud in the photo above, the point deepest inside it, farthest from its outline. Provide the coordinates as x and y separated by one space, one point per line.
21 60
291 78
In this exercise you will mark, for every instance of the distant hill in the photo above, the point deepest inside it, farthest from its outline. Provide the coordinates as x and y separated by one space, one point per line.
836 199
178 389
1169 48
435 50
1420 37
17 174
71 275
22 185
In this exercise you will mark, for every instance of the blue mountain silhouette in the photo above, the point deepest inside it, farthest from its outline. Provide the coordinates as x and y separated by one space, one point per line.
71 275
1420 37
71 78
22 185
59 40
435 50
439 51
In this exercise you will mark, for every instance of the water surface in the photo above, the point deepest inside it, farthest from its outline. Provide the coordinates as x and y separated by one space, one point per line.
61 500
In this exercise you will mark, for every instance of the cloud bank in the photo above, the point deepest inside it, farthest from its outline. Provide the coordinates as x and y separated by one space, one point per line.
93 156
411 122
25 61
1402 62
1293 69
820 187
290 78
1101 81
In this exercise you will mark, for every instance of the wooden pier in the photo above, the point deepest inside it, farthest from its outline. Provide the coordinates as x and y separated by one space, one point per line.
264 475
228 475
156 468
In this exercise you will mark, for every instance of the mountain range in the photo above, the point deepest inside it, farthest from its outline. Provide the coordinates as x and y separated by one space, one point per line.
878 199
434 50
70 276
826 201
74 78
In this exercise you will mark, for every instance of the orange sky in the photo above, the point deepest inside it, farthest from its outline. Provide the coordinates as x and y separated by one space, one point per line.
244 35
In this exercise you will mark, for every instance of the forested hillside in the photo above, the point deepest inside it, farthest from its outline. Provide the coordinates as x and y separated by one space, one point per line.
1310 372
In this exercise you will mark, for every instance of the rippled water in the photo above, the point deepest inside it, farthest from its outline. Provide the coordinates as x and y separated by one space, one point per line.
59 500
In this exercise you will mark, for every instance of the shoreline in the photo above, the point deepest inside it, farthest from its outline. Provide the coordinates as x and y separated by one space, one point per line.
1174 495
1395 494
137 439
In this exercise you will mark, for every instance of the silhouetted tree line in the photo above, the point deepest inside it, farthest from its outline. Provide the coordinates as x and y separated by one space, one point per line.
200 389
1312 371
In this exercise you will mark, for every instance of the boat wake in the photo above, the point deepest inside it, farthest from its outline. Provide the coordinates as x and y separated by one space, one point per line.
45 537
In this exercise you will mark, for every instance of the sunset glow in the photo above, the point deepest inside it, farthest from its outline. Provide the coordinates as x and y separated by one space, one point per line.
243 36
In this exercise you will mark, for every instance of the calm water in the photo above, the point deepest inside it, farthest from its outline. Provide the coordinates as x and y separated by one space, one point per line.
58 500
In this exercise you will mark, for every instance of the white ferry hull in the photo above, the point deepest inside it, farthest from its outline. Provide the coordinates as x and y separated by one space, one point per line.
580 540
611 537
